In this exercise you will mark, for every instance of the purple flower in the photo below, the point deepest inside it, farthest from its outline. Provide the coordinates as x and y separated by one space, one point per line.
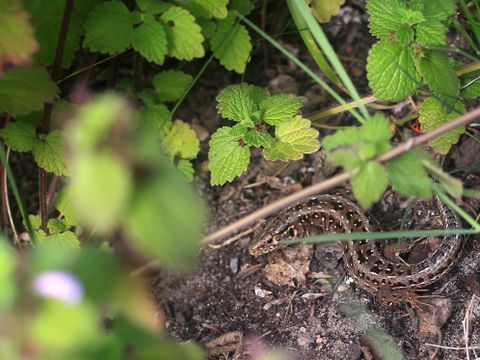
59 285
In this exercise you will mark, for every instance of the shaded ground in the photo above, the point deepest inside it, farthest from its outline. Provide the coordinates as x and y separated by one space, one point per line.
228 294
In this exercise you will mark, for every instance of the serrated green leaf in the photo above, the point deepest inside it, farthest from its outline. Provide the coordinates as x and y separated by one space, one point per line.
184 35
56 226
405 35
157 117
280 108
63 203
227 158
181 141
66 238
433 115
150 40
152 7
232 46
244 7
348 136
383 18
186 168
439 74
35 221
239 102
100 189
19 135
408 16
430 33
258 139
294 138
369 183
376 129
391 70
408 175
49 153
109 28
208 8
25 90
171 85
435 10
324 10
17 42
470 88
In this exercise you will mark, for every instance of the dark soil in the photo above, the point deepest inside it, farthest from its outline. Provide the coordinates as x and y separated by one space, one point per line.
228 297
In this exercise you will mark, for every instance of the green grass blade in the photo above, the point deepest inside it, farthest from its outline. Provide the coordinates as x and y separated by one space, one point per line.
16 194
313 47
329 52
301 65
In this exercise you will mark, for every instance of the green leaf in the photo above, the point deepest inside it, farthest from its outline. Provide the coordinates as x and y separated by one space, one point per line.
376 129
100 189
258 139
157 117
150 40
227 158
66 238
184 35
431 33
109 28
17 42
19 135
294 138
439 74
171 85
280 108
433 115
165 220
324 10
8 286
25 90
408 175
152 7
405 35
35 221
391 70
63 203
470 88
79 324
369 183
186 168
407 16
240 102
383 17
49 153
453 185
231 46
244 7
435 10
181 141
56 226
343 137
208 8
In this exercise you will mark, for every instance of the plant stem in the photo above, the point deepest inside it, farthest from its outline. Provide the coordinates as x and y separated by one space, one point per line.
47 112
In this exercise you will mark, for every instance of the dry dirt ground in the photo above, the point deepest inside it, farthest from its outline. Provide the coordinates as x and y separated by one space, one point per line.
230 305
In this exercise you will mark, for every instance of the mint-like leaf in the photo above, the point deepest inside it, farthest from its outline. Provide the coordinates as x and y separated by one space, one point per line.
294 138
369 183
280 108
171 85
19 135
433 115
227 157
258 139
150 40
25 90
435 10
391 70
439 74
208 8
63 203
384 20
109 28
408 175
157 117
430 33
240 102
405 35
184 35
181 141
49 154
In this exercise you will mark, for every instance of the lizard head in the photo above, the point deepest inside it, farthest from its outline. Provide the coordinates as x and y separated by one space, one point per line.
270 237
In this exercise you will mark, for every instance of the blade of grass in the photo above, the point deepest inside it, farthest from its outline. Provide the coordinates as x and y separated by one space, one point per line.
462 213
313 47
301 65
381 235
471 21
16 194
329 52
